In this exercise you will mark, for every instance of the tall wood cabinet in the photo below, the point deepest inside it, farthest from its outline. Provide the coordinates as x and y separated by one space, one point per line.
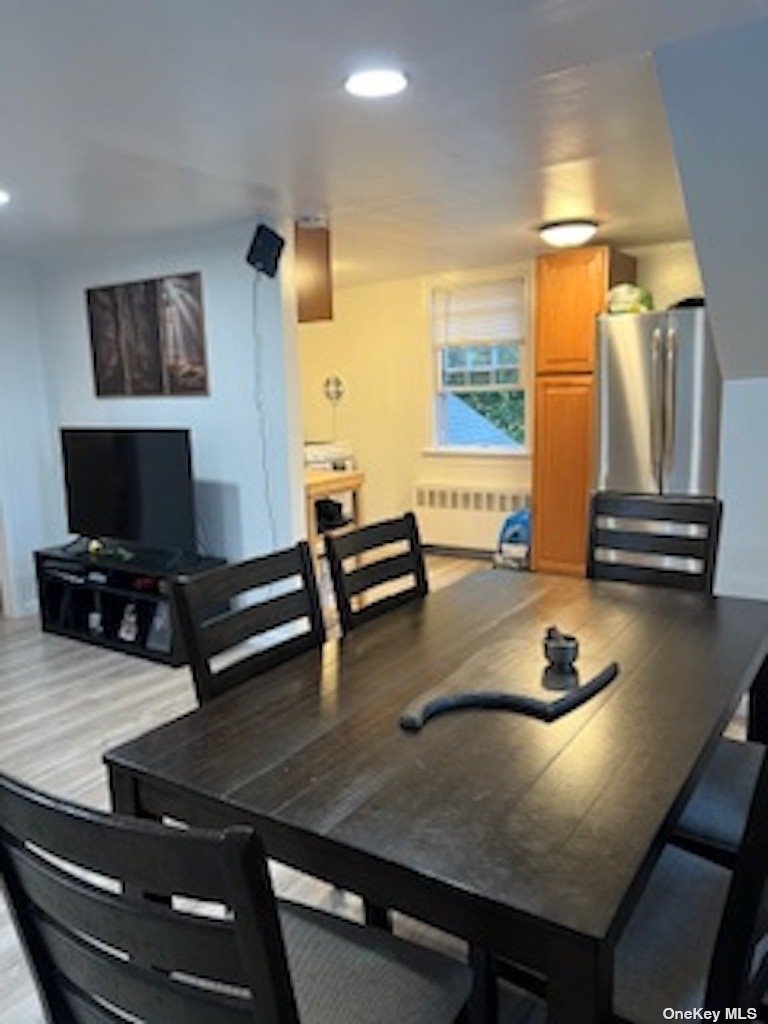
571 290
562 469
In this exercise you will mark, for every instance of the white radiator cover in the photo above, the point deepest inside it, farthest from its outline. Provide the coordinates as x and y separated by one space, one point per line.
464 516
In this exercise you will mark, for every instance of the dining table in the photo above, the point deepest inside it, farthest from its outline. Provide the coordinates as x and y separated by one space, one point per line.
527 837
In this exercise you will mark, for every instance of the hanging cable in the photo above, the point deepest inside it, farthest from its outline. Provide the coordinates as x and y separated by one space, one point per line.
261 415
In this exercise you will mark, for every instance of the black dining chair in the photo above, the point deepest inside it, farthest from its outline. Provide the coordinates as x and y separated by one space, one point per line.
639 538
242 619
376 568
713 821
685 530
211 945
696 939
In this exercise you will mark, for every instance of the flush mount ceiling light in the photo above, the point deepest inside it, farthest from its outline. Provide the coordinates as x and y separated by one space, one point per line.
5 197
562 233
376 83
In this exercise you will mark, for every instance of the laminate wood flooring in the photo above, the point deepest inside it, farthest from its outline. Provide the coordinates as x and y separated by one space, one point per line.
63 703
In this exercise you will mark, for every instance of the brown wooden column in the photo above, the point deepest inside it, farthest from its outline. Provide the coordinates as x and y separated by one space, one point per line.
314 286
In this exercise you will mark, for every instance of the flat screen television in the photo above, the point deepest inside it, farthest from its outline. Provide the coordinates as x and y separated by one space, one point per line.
130 485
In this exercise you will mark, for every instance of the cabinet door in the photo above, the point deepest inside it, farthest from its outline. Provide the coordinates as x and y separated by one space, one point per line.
571 290
562 475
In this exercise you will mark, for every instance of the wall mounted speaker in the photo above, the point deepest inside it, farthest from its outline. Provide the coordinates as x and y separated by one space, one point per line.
264 253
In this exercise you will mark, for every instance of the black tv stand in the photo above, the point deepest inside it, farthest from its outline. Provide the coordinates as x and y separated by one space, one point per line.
119 598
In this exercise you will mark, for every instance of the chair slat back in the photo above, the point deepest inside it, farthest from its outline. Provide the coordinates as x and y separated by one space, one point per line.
108 910
661 541
375 565
251 616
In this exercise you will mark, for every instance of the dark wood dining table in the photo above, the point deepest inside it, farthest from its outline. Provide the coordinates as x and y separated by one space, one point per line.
528 837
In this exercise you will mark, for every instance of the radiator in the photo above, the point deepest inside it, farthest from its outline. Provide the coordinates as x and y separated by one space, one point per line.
464 516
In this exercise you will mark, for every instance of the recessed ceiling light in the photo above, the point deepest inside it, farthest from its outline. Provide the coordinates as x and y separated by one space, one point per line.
562 233
5 197
375 83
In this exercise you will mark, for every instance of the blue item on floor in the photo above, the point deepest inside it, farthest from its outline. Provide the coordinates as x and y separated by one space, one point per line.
515 540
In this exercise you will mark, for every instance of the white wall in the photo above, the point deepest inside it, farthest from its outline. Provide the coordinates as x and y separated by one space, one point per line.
743 562
379 342
714 90
670 271
715 94
27 459
248 492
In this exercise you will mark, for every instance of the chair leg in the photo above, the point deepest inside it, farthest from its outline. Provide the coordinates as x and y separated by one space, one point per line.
376 916
483 1000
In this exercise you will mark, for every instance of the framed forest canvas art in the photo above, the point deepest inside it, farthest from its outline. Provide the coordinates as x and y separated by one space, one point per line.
148 337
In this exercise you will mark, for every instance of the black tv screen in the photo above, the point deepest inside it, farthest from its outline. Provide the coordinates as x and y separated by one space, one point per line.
130 485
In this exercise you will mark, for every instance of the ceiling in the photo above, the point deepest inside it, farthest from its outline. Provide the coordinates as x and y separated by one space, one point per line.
121 119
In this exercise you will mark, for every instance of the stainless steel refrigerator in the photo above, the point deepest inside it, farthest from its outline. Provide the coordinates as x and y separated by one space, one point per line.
659 394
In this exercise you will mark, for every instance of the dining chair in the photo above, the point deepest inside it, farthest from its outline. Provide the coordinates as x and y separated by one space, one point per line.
696 939
242 619
211 945
713 820
685 532
639 538
239 620
366 564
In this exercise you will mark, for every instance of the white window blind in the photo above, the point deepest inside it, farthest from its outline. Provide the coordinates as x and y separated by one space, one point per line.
491 312
479 334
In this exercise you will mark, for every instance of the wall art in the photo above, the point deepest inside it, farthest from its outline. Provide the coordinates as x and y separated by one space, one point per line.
148 337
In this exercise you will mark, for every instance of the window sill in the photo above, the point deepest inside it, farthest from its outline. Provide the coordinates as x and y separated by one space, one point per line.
468 452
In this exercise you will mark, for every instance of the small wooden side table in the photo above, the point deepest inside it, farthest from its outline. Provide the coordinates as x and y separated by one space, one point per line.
322 483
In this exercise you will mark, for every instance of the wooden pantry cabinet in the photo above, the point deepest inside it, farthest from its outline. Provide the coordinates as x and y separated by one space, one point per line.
571 290
562 470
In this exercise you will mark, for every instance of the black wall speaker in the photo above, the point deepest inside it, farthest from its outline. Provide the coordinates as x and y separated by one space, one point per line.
264 253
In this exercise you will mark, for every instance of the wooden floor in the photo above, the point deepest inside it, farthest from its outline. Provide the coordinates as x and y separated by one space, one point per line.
63 703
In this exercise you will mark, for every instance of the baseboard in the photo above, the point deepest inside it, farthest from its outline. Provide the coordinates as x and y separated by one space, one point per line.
480 554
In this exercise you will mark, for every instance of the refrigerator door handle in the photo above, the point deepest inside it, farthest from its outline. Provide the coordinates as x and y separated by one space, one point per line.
656 402
670 383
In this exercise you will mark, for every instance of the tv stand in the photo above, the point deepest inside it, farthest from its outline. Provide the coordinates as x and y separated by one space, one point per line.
113 601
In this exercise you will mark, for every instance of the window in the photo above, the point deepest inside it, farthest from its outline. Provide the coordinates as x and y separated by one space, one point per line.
481 365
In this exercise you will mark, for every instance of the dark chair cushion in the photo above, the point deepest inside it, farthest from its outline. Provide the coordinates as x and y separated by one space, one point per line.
344 973
717 811
662 958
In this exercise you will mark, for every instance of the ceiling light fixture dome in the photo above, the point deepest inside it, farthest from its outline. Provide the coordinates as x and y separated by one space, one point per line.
5 197
376 83
563 233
